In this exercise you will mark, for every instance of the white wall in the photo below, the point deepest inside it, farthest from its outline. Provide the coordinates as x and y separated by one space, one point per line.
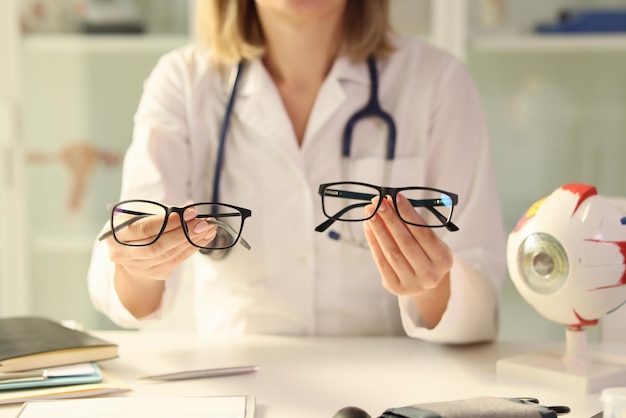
555 117
13 290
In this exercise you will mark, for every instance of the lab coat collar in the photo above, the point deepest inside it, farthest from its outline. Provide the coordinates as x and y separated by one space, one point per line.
255 74
252 80
346 70
259 94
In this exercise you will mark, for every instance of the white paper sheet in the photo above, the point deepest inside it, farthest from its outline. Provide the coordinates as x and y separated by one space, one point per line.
132 407
81 369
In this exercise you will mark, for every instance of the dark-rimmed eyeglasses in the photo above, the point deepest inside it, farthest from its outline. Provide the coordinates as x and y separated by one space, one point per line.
229 220
344 201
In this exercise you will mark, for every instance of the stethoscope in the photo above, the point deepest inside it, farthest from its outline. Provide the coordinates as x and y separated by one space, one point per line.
371 109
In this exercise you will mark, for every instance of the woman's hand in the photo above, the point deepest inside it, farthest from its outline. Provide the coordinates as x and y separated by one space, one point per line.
140 271
412 260
156 261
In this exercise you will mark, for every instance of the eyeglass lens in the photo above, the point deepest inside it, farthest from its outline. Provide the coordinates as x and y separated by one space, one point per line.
346 202
154 216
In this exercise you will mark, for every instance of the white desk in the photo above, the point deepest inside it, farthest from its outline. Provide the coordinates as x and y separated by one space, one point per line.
313 378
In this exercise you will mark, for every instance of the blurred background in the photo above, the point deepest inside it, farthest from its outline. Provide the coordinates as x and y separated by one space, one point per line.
549 77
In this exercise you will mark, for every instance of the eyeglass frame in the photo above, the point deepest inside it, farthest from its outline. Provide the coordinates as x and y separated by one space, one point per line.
245 213
382 192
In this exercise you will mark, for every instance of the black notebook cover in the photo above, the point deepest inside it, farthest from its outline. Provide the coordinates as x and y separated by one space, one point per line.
35 343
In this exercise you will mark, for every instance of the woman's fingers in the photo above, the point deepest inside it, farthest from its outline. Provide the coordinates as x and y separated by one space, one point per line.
169 244
411 259
161 267
393 236
433 247
390 279
389 258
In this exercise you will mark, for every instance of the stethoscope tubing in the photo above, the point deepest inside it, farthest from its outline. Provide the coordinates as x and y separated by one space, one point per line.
219 162
371 109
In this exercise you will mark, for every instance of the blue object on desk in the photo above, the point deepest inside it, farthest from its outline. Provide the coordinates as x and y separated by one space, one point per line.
61 379
587 21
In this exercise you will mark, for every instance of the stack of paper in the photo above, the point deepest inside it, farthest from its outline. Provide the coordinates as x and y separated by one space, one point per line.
54 376
40 358
61 382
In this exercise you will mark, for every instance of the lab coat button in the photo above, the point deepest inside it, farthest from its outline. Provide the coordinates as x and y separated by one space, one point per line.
302 260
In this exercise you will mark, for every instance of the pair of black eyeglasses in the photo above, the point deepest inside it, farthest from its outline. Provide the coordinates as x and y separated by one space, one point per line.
344 201
229 220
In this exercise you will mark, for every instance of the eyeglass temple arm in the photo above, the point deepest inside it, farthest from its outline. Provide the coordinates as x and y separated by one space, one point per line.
368 196
450 226
228 229
328 222
430 205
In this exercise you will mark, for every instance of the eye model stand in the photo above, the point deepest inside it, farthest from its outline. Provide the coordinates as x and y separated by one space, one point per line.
575 368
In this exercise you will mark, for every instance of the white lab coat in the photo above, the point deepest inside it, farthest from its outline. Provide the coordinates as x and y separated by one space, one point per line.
295 280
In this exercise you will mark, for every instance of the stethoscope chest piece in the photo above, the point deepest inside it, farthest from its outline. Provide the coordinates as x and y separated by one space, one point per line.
222 239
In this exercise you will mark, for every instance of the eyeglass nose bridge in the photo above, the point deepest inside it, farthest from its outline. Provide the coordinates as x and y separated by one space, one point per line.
383 192
181 217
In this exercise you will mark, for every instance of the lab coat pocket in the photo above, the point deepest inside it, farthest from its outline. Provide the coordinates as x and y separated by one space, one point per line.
399 172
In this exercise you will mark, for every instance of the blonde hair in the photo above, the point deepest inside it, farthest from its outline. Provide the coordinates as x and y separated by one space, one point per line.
232 30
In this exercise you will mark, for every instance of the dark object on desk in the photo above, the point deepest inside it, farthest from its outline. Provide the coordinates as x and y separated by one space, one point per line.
351 412
31 342
480 407
586 21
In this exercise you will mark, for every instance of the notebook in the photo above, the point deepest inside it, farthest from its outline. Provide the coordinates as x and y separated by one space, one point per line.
31 342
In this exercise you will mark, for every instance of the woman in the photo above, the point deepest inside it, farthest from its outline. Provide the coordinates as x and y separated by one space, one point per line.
305 75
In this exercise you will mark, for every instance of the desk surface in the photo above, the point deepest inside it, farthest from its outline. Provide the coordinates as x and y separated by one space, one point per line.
314 377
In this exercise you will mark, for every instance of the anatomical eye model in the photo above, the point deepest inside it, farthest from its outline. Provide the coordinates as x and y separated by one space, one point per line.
567 259
567 256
